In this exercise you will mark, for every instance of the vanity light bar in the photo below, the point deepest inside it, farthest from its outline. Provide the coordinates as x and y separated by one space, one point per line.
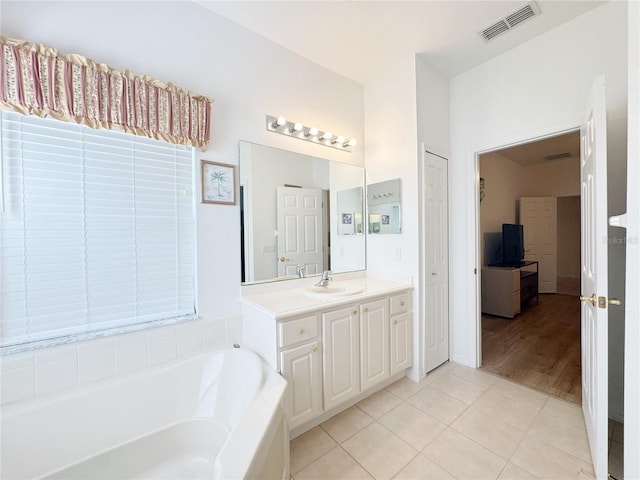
310 134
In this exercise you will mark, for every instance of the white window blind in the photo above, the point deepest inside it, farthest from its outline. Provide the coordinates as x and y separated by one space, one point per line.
98 230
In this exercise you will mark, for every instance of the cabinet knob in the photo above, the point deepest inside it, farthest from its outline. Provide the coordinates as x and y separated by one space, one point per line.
365 309
302 331
395 322
355 312
402 304
315 349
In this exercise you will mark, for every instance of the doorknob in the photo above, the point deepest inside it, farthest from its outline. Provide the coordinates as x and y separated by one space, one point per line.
592 299
284 259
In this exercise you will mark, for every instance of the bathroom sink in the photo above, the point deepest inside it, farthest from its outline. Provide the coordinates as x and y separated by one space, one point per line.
336 290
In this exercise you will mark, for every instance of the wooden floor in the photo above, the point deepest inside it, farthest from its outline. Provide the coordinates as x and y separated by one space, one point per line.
539 348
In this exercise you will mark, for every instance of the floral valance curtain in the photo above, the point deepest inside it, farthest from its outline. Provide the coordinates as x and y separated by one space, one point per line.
35 79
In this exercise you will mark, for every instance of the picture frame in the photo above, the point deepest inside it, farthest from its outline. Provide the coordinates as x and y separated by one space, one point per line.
384 219
347 218
219 182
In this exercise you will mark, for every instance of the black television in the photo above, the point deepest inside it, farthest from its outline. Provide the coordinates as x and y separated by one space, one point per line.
512 244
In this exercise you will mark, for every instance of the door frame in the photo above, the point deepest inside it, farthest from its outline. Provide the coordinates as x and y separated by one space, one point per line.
477 253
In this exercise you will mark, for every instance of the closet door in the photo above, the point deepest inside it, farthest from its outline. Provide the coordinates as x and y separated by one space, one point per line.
436 262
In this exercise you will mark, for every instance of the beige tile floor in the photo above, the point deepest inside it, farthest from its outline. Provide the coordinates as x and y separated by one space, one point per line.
458 423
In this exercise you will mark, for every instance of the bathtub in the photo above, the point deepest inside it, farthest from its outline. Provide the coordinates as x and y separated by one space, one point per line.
217 415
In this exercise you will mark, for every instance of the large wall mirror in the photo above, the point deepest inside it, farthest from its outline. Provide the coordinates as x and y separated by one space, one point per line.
300 215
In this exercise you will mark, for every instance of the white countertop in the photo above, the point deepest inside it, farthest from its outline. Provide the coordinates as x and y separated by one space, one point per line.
294 302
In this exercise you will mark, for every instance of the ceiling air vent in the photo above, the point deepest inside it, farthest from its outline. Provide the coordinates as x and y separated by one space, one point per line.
512 20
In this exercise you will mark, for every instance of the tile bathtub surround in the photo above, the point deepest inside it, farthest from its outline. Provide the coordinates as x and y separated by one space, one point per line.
458 423
48 370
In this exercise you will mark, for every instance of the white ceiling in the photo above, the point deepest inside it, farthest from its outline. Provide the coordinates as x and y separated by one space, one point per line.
536 152
359 39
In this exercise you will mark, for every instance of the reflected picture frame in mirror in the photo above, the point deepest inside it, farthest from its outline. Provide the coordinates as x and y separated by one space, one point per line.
295 211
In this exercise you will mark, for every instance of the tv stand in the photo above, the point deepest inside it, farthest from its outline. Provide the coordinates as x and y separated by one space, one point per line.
507 288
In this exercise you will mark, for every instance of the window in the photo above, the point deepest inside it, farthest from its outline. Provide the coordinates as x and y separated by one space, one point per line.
98 230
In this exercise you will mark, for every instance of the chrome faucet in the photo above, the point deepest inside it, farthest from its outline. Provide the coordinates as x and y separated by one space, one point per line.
300 271
325 280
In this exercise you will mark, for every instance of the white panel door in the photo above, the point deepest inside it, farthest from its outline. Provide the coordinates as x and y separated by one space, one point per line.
340 356
594 315
436 262
299 224
538 216
300 366
374 343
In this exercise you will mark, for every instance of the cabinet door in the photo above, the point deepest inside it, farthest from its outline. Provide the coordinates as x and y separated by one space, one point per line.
341 370
300 366
401 342
374 343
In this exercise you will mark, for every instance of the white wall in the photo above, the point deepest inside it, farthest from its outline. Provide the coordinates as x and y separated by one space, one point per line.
405 108
533 90
248 77
502 180
391 146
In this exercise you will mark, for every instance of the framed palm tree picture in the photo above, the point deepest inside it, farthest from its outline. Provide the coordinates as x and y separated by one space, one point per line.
219 182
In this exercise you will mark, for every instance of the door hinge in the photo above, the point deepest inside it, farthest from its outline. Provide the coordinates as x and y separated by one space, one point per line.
475 271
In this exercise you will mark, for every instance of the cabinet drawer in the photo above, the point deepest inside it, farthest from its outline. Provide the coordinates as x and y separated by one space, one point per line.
298 330
399 303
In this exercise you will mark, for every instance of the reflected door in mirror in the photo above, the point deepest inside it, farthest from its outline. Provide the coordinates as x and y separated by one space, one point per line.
299 212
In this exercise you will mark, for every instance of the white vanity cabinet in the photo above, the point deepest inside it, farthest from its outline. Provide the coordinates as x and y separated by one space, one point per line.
401 340
341 362
301 366
374 343
333 353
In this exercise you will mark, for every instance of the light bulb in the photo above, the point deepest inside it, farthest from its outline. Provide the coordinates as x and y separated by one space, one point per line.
313 131
327 135
350 143
279 122
296 127
339 139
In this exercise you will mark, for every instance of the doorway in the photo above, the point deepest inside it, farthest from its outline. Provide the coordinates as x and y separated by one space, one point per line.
533 339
